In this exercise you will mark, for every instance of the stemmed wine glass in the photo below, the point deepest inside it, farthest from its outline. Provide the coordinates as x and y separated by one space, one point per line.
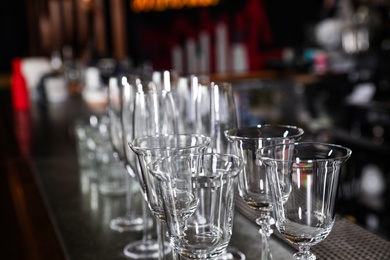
304 178
130 221
252 182
198 198
150 148
146 248
153 114
215 113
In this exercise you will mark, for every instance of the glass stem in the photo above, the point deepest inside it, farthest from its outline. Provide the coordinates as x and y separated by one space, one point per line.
147 232
265 221
161 235
304 253
265 247
129 201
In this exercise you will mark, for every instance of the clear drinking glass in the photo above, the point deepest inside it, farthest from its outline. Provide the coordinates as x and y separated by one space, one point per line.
208 108
215 113
252 182
153 114
186 93
130 221
150 148
304 181
198 197
147 247
85 131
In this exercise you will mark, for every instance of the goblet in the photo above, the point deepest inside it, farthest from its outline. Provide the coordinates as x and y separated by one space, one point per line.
198 198
252 182
304 180
150 148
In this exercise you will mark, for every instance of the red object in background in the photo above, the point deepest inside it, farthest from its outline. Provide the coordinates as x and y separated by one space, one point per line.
21 106
258 31
19 92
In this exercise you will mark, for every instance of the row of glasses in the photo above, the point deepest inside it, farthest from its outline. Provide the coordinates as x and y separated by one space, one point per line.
175 207
154 135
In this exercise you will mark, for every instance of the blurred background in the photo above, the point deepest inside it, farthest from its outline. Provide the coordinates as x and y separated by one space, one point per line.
321 64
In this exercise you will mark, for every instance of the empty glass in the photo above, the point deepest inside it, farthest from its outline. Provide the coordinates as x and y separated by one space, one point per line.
131 220
153 114
198 198
85 132
216 113
304 181
150 148
253 183
207 108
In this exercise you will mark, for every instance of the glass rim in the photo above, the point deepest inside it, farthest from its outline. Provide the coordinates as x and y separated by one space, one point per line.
344 157
287 127
151 166
134 144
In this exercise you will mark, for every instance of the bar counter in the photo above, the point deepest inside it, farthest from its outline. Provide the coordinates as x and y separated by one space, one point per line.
67 218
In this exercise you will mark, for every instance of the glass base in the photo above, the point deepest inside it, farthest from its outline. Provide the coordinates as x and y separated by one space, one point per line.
124 224
145 250
304 256
231 254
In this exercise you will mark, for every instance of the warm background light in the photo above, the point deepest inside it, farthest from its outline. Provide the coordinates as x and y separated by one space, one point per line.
161 5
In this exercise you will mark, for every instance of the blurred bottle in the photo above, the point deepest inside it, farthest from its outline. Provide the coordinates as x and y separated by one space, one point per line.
72 71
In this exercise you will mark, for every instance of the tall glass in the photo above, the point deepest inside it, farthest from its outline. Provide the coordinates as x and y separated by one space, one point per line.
130 221
216 113
146 248
252 182
207 108
198 197
304 181
154 114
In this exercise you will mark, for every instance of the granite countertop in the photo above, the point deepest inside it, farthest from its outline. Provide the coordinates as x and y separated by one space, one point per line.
79 212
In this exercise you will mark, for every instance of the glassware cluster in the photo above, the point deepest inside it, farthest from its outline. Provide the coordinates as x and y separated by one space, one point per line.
173 146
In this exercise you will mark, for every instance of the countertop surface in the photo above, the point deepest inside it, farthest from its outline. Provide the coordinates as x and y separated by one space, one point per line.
80 213
75 215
